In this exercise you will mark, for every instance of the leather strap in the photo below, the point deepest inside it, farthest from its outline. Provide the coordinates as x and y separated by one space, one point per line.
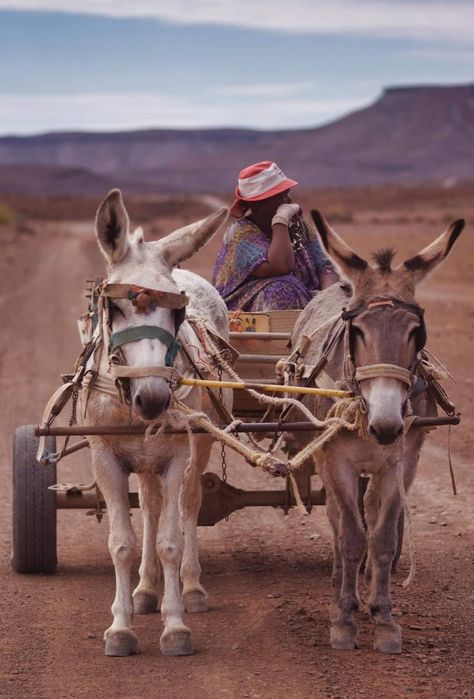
147 332
120 371
168 299
388 371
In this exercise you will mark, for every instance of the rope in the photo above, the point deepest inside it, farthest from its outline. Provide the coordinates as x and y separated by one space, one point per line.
347 414
260 459
260 397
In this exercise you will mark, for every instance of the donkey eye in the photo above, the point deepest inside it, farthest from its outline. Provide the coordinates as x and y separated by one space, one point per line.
114 308
358 333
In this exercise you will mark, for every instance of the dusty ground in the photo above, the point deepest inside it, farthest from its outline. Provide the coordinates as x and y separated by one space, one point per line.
266 635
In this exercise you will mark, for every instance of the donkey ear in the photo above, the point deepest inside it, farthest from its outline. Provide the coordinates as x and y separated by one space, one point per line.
345 258
431 256
184 242
138 236
111 225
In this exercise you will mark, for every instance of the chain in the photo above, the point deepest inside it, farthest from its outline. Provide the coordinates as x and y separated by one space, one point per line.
75 396
223 452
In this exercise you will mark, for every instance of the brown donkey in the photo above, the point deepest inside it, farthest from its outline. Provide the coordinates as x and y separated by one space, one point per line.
375 347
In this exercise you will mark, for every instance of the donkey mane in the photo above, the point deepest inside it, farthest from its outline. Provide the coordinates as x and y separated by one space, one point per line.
383 259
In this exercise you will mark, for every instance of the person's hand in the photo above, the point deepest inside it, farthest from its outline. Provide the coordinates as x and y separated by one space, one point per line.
285 213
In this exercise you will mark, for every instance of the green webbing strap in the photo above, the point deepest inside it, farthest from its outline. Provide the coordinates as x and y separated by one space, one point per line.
147 332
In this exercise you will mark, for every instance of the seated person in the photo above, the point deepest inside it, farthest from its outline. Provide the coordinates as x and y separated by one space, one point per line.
269 259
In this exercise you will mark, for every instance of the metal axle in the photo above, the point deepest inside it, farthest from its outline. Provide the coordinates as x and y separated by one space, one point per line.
219 499
304 426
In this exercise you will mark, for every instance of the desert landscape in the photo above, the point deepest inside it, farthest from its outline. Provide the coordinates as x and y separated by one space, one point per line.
267 574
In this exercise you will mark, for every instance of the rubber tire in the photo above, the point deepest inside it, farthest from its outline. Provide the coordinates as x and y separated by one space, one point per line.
34 506
363 483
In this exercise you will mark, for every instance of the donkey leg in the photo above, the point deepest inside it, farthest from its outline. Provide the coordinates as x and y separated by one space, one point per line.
176 637
336 578
194 595
113 482
382 546
145 595
371 508
343 485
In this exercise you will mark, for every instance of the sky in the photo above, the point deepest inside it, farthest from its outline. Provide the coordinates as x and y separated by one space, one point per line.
111 65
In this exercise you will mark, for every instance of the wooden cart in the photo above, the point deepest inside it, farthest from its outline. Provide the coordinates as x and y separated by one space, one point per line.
261 339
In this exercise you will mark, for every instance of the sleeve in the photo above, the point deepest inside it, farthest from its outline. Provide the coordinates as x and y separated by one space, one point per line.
244 248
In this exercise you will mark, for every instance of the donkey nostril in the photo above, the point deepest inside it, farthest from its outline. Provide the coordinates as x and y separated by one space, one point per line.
385 434
150 404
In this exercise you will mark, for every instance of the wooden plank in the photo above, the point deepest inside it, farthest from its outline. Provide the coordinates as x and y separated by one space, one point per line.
248 345
259 336
283 321
252 371
273 321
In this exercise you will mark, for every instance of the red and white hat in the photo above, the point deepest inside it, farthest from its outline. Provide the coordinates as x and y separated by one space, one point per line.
259 181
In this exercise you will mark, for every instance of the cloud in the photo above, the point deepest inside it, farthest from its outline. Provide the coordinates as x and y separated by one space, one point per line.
27 114
414 19
264 91
441 55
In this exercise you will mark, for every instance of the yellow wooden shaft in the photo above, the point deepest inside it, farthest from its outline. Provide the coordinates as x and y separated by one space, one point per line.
277 388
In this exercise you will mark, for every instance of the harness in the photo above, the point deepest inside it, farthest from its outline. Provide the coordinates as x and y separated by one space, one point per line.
192 344
342 332
144 300
354 374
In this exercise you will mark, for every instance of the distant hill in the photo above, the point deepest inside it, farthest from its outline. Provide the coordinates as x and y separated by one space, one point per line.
410 135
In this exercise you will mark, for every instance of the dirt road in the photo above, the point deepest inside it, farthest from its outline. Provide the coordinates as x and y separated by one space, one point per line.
266 635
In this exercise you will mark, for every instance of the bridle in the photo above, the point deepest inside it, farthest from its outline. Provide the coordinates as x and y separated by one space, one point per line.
144 300
354 374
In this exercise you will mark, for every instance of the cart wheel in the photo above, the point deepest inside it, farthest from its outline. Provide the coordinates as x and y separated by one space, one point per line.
34 506
363 483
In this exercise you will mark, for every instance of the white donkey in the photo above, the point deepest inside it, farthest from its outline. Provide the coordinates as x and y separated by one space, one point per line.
143 301
372 349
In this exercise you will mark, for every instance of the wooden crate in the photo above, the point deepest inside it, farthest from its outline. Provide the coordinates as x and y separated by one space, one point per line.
271 348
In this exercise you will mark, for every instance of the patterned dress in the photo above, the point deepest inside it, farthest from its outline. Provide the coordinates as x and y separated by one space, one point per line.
245 247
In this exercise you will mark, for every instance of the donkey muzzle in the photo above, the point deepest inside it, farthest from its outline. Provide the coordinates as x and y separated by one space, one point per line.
385 432
150 397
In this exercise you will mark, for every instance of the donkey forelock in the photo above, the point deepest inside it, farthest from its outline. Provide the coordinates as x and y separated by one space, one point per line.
383 260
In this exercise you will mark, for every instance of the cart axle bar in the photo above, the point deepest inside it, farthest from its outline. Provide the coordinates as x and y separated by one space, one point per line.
219 499
83 430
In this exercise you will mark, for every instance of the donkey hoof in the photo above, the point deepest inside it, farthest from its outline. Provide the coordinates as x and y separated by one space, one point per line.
388 638
176 641
195 601
144 603
343 637
121 643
